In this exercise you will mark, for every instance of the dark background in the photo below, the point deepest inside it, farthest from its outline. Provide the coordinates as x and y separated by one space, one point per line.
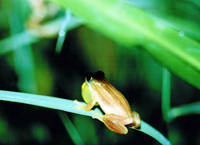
37 68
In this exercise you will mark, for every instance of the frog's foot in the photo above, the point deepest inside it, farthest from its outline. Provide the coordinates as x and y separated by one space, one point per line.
80 106
115 123
136 123
88 107
77 102
97 116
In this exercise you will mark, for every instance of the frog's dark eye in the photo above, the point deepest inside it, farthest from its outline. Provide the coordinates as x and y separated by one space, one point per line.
99 75
88 76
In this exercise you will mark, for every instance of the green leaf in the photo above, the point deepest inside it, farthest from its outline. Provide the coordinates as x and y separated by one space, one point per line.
69 106
129 25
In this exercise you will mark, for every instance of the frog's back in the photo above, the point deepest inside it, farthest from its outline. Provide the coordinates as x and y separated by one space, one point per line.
110 99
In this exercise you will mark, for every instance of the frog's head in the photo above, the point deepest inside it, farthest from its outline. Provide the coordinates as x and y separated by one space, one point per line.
86 90
99 75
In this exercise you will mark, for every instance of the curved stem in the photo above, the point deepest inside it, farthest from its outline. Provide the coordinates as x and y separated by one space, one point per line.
193 108
70 106
149 130
166 94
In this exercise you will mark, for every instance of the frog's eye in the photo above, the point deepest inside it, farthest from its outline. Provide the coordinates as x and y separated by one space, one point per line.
88 76
99 75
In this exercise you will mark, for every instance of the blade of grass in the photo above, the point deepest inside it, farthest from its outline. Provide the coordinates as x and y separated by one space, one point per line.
25 69
63 31
69 106
23 57
71 129
182 110
31 36
166 92
149 130
129 25
44 101
51 28
9 44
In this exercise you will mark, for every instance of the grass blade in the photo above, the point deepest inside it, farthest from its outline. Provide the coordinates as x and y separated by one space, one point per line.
166 92
44 101
23 57
149 130
32 36
71 129
63 31
25 69
69 106
9 44
182 110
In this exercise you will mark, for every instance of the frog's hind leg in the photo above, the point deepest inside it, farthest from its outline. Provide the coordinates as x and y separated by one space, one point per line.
115 123
136 120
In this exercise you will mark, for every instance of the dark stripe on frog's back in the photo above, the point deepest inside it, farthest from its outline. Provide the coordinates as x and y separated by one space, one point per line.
112 91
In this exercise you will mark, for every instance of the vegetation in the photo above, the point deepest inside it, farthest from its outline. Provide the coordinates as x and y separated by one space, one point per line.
149 50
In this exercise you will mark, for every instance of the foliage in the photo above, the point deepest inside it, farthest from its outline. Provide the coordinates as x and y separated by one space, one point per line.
148 49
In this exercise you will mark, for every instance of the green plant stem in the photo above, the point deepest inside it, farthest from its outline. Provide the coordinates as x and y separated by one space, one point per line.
69 106
193 108
166 93
25 68
44 101
9 44
147 129
71 129
31 36
63 31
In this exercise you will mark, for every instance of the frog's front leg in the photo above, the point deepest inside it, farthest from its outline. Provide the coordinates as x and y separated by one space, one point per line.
90 105
115 123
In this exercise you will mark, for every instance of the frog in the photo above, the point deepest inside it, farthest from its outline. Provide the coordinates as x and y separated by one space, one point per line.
97 91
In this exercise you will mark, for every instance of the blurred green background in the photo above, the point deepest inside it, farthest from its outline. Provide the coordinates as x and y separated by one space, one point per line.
47 50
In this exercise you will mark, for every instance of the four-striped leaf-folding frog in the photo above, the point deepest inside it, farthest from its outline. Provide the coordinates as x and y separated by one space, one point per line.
96 90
